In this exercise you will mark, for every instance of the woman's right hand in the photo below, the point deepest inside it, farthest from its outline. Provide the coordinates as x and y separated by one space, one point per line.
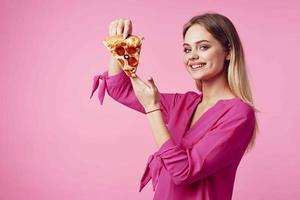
116 27
120 26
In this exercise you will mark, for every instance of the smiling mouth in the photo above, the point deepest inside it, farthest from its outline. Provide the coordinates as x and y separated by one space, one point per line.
198 66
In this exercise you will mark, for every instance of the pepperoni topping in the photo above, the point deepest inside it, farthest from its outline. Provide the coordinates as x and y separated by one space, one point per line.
132 62
120 51
131 50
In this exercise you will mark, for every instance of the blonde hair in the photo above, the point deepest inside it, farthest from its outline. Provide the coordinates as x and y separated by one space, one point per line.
223 30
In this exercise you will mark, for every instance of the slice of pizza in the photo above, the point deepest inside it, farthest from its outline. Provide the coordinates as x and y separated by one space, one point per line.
127 51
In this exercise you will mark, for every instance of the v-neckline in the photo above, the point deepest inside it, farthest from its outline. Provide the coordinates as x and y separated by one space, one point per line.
193 110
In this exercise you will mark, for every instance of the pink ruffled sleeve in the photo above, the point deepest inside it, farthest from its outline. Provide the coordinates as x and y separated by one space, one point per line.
222 146
119 87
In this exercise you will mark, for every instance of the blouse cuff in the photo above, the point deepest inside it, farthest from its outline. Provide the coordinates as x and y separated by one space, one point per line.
107 82
168 144
155 164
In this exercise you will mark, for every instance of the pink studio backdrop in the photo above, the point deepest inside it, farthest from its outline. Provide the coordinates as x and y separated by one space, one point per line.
56 143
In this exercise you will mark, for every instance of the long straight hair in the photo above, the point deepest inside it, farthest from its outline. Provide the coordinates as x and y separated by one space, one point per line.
223 30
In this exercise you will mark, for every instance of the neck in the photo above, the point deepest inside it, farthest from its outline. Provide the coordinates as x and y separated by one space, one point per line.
215 89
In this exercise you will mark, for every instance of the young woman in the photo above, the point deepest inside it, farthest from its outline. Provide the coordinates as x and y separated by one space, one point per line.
201 138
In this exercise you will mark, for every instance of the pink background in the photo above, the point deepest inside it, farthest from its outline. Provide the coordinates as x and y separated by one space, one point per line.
56 143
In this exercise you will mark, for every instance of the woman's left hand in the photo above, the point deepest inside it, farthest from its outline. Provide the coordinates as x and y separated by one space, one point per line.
146 92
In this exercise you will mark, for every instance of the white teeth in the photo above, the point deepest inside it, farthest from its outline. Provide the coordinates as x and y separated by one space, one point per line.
197 66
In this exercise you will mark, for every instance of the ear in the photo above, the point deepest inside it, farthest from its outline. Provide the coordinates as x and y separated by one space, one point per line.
228 56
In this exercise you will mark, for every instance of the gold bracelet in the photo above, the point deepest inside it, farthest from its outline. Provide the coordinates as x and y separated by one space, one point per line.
153 110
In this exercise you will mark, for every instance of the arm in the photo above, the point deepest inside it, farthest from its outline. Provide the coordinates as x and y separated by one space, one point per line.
119 87
116 82
222 146
114 66
158 127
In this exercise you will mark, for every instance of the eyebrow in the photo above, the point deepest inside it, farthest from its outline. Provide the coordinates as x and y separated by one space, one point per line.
196 42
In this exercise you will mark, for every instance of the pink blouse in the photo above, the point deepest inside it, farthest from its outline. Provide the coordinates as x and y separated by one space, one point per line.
198 162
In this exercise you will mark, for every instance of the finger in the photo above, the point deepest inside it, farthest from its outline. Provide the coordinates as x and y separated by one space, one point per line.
120 26
151 83
111 28
127 28
138 81
114 27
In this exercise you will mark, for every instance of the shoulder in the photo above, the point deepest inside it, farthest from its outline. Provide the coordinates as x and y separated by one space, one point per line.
243 108
238 109
236 115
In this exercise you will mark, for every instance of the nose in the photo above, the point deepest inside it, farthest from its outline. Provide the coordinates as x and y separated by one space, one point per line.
193 55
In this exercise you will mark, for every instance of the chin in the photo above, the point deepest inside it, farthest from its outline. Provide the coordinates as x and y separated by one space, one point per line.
196 76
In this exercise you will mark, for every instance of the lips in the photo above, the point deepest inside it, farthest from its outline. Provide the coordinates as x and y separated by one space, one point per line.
197 65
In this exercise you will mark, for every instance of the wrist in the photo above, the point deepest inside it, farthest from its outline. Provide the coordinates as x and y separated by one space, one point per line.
151 111
152 107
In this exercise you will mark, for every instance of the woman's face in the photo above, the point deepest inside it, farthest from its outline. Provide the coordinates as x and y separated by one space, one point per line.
203 55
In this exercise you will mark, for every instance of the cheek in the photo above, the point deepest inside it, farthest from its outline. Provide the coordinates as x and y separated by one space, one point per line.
217 58
185 60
